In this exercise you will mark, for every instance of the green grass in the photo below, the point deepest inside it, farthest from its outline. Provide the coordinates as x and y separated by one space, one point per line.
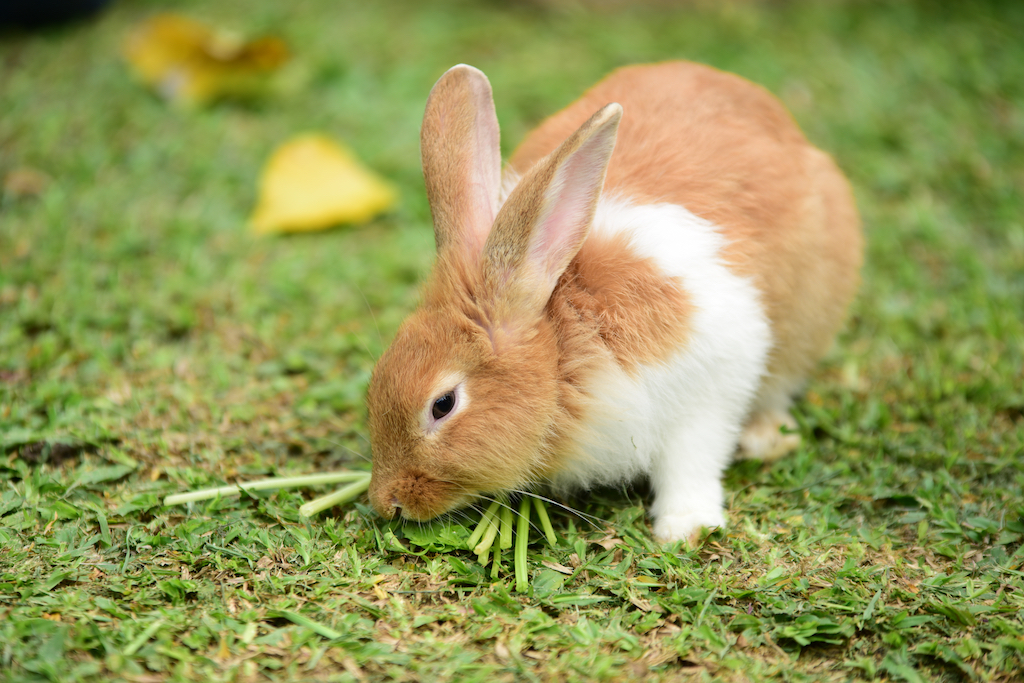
149 344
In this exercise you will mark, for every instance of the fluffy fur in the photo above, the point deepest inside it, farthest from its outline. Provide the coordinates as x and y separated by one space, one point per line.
596 340
640 415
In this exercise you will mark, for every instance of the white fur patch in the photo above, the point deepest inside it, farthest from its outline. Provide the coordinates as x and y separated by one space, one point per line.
678 421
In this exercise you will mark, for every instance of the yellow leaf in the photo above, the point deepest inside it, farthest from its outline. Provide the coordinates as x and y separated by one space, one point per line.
191 63
312 183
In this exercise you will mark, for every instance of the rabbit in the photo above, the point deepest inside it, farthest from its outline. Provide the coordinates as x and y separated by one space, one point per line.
641 295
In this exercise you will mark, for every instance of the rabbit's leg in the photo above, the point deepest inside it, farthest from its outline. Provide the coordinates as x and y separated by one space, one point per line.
770 433
687 478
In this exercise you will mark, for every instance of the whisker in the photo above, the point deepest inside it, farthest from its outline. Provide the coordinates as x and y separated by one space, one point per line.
579 513
354 452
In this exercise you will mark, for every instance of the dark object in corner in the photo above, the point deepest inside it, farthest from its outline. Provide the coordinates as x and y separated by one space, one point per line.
34 13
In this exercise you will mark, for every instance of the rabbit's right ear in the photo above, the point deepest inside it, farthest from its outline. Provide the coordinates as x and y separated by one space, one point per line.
459 144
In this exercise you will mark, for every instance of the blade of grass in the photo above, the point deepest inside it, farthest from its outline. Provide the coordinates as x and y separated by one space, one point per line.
306 622
489 535
485 523
143 638
545 521
496 567
261 484
506 528
342 495
522 539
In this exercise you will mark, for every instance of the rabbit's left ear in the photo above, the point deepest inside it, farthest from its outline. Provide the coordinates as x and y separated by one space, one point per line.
543 223
459 146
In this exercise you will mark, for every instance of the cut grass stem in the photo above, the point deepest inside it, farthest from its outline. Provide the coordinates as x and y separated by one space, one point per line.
486 522
488 540
522 539
505 541
545 521
496 567
496 523
271 483
342 495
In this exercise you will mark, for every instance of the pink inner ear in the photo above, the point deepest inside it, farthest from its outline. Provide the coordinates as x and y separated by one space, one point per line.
479 218
484 181
569 204
559 222
488 153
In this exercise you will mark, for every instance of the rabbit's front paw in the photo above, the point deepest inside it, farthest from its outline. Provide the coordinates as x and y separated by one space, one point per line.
686 526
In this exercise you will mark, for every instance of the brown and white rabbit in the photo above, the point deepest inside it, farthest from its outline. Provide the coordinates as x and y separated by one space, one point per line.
598 316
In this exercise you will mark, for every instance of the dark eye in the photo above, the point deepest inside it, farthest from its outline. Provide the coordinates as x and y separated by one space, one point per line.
443 405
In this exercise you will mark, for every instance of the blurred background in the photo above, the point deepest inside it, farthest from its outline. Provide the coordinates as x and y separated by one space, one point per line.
137 307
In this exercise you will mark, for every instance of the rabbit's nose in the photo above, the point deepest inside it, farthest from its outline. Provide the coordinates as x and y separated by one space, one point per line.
384 501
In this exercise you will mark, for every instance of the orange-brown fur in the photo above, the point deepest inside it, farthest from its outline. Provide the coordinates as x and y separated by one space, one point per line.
452 141
509 383
728 151
636 313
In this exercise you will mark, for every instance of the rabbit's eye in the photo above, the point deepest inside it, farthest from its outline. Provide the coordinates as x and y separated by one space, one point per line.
443 405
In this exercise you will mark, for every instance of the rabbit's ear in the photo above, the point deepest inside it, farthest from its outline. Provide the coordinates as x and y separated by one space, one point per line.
546 218
461 156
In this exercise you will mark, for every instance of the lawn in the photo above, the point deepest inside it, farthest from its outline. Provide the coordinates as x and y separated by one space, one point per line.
150 344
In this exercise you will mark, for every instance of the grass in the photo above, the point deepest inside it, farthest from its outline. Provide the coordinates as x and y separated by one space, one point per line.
149 344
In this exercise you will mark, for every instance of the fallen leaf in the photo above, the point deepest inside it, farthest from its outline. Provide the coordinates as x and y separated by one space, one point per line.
190 63
645 605
557 567
312 183
609 541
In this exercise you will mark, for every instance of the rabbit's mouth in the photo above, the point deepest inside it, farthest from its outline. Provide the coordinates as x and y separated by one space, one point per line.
416 496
